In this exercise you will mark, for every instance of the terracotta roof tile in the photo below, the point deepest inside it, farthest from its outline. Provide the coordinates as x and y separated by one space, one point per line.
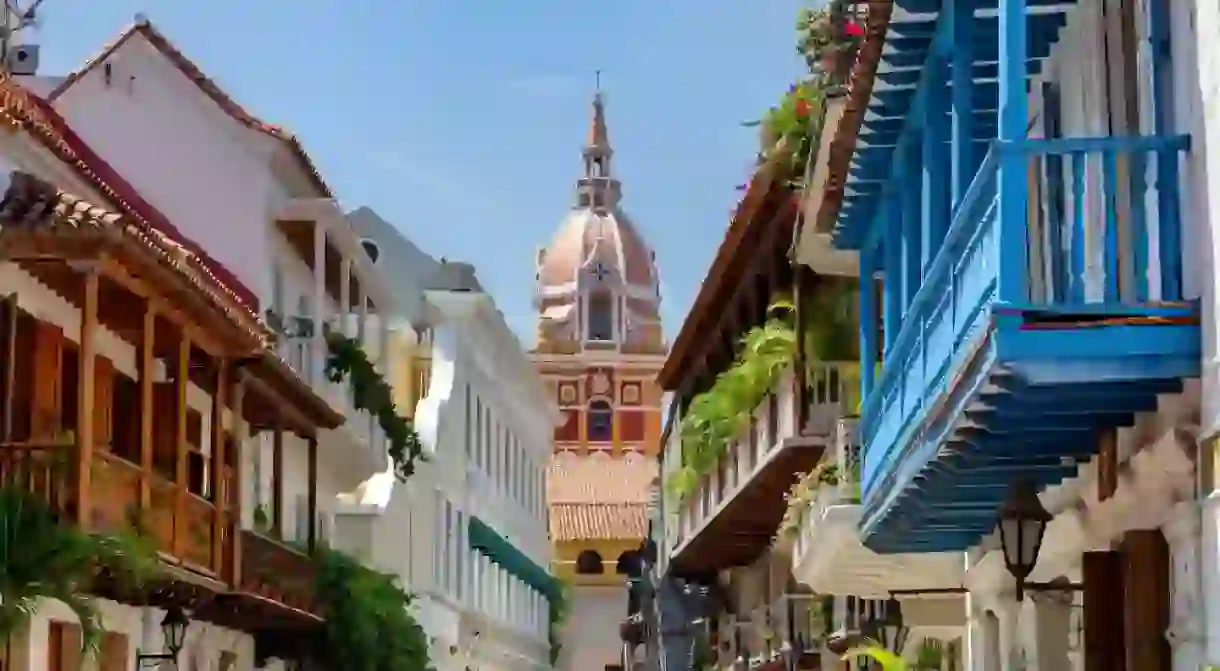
599 521
209 87
23 110
599 496
600 478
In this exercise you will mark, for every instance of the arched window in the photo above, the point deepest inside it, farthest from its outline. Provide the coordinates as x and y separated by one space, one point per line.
601 316
600 422
371 248
628 564
589 562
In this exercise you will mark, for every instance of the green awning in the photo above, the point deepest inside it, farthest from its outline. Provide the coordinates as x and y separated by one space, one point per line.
495 547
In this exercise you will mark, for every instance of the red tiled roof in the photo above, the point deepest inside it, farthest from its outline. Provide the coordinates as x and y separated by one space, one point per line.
208 86
599 496
599 521
23 110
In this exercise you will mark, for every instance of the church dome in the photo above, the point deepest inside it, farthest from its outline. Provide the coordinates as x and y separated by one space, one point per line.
598 280
587 237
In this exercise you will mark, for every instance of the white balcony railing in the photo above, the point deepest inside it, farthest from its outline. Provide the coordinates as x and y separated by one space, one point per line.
307 355
841 489
831 392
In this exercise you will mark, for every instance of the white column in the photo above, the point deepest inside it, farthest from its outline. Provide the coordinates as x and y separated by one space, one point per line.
364 315
345 292
974 643
1187 634
1045 628
1008 611
318 345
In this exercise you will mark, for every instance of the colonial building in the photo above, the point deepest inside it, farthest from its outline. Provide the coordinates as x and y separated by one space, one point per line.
149 371
278 229
468 533
599 347
1029 187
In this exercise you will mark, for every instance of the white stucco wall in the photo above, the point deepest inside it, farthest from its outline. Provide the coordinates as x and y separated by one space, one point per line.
486 425
184 155
592 628
204 642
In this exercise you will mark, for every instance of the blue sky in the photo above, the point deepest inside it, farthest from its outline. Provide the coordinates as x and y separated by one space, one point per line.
461 120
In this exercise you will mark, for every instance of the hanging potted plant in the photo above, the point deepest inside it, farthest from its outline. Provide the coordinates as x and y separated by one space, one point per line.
829 40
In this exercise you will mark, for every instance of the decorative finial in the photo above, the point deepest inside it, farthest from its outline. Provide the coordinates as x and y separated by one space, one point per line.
597 80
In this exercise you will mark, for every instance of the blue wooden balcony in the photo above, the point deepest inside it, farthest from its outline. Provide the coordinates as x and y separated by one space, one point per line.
1032 287
976 390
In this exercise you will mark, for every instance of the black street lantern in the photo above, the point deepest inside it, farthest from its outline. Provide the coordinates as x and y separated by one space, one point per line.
892 628
1023 522
173 632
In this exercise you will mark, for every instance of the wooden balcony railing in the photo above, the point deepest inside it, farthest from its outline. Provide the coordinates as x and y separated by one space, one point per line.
125 498
1106 197
278 572
832 390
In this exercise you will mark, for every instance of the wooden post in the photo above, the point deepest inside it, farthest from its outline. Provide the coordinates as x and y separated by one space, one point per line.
1146 584
312 503
1107 464
10 363
238 433
85 397
277 482
181 375
219 495
146 365
1102 615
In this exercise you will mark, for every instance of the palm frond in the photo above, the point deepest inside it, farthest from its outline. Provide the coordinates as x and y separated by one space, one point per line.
889 661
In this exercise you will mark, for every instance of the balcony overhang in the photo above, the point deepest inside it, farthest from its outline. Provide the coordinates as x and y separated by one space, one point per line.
743 525
297 219
1028 396
830 558
815 247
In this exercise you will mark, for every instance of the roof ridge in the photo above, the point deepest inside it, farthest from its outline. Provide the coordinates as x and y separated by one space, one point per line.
191 70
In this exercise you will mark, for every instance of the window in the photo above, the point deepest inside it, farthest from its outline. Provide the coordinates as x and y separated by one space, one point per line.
371 248
601 316
628 564
600 422
589 562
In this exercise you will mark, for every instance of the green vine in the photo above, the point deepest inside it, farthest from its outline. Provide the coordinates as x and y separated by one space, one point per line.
369 625
371 392
718 416
559 609
43 558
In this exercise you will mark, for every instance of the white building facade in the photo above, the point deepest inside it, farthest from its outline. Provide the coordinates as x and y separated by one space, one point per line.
468 532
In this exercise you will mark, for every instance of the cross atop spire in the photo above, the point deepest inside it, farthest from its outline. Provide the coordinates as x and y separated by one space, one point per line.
599 137
598 188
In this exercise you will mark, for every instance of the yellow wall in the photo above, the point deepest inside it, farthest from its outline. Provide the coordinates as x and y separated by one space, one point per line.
566 552
412 370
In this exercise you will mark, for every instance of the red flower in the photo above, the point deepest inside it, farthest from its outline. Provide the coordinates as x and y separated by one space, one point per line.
853 30
802 108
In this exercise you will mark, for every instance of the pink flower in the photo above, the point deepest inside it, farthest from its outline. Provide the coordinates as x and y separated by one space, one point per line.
853 30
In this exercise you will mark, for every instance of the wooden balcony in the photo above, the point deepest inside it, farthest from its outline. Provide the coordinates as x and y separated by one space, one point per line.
1013 364
1034 295
129 382
278 573
731 517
